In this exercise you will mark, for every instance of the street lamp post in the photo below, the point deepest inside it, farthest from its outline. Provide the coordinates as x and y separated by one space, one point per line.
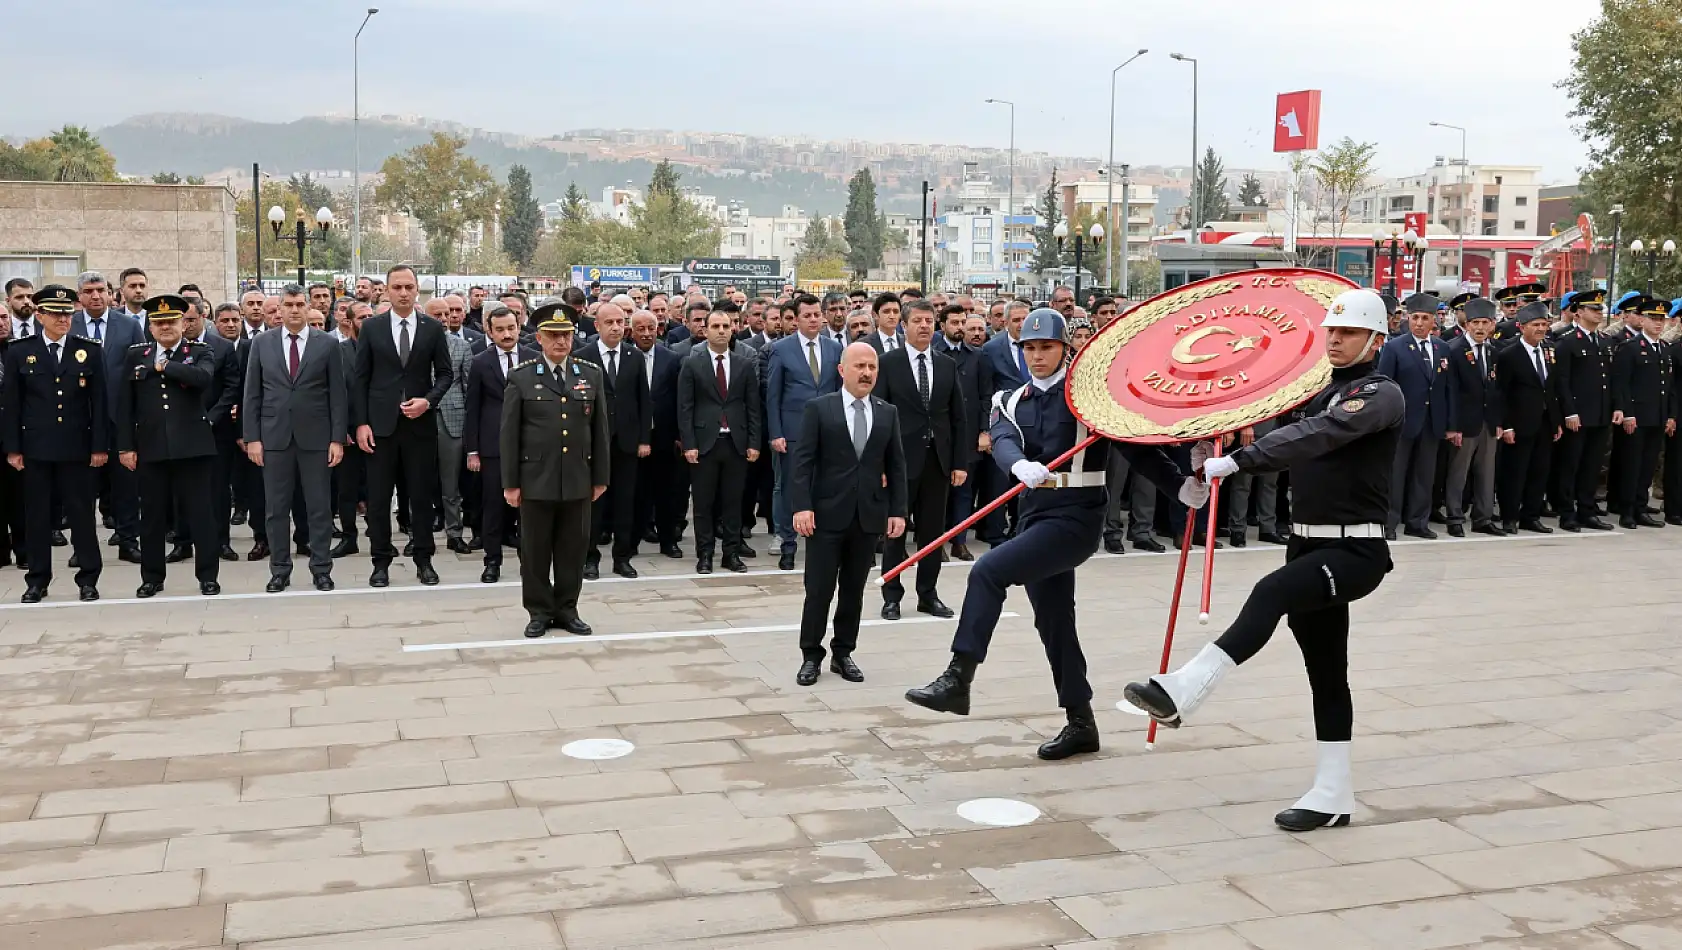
1652 253
356 134
1061 231
1394 243
1460 267
1420 246
1109 174
1194 215
1617 243
301 235
1010 198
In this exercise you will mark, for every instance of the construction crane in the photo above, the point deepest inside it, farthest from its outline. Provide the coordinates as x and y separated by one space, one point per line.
1558 258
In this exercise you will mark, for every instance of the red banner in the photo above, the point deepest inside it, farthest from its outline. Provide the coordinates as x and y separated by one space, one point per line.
1296 121
1519 270
1414 221
1406 280
1477 273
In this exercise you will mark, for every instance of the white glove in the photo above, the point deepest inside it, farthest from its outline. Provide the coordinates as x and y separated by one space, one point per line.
1030 473
1193 492
1219 467
1200 453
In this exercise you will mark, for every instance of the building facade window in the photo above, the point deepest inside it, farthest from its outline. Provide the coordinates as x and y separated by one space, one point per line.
1521 200
981 255
1519 227
984 229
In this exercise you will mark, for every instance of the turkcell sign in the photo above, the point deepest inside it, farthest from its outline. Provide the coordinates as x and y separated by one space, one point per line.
734 267
583 274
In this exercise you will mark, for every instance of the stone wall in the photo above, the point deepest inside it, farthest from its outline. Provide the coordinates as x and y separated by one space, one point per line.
178 234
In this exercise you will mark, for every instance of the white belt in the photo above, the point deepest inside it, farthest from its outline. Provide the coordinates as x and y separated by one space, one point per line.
1074 480
1338 530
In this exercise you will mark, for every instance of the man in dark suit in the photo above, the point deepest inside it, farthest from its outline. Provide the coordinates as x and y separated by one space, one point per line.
1418 362
456 323
975 380
1477 411
1529 419
403 370
487 379
800 367
632 423
718 418
662 495
886 335
1004 357
847 488
221 402
55 425
1643 411
170 446
1583 371
115 332
295 419
922 384
350 476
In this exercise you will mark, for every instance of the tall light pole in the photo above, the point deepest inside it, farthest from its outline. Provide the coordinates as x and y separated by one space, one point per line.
1192 218
1011 197
1460 268
356 133
1109 173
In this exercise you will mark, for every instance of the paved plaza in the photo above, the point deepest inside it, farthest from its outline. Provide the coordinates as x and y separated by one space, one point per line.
385 770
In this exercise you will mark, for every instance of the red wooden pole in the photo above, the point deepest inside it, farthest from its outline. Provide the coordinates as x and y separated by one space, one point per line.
1173 613
1209 540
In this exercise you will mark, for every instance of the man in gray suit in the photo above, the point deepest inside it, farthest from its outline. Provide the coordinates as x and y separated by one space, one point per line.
452 418
296 416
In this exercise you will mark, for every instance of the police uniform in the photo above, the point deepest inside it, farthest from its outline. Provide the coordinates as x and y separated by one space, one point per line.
1506 328
1339 458
1061 523
1582 368
162 420
57 424
1456 310
555 450
1642 390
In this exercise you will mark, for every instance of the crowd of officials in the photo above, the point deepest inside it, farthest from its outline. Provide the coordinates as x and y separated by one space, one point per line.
315 418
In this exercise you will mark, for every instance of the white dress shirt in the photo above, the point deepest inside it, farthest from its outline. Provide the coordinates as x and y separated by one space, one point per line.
286 344
890 341
712 365
1424 345
849 401
648 366
502 361
397 329
104 324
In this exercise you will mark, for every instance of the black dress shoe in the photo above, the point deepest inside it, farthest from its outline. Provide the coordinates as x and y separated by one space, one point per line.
1301 819
107 522
456 546
1570 526
1389 534
1490 528
1646 520
338 533
34 595
210 588
949 693
1079 737
749 552
59 540
409 548
425 574
890 611
76 561
1536 526
149 589
651 536
592 570
129 554
1437 517
238 517
278 584
179 553
228 553
536 628
1510 527
1155 701
933 607
786 562
511 540
844 667
381 577
1423 533
961 552
475 545
572 625
1594 524
672 551
301 549
1627 523
1237 539
1149 544
808 674
622 567
491 574
1457 531
735 564
1269 537
89 593
259 552
323 582
347 546
1114 546
703 565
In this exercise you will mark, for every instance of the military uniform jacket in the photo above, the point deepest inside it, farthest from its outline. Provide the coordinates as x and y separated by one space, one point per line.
55 415
1583 365
1641 382
555 431
161 415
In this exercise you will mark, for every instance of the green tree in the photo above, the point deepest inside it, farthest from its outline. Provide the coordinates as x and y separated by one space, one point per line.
166 178
1250 193
1144 279
893 239
664 181
863 225
1210 187
73 154
1623 82
575 208
833 267
312 194
1050 212
17 164
669 227
937 272
822 239
522 219
589 241
1093 260
442 189
1342 172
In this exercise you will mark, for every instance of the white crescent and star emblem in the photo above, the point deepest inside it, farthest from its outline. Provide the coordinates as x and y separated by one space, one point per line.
1182 350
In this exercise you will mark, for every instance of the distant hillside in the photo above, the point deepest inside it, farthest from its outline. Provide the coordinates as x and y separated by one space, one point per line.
192 144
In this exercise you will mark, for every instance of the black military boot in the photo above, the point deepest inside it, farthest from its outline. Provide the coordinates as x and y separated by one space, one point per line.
949 693
1079 737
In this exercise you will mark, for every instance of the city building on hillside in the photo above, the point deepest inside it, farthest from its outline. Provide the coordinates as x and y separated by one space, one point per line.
1471 199
979 246
1090 196
758 236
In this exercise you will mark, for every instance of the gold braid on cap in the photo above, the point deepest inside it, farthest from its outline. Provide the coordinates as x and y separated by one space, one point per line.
1090 392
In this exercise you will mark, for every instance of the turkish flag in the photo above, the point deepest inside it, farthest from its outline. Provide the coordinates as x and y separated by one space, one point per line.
1296 121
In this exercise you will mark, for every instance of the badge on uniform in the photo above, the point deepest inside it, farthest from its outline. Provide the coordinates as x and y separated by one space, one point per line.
81 356
1352 405
82 381
30 358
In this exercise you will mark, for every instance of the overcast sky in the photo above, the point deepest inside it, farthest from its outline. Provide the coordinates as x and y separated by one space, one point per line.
885 70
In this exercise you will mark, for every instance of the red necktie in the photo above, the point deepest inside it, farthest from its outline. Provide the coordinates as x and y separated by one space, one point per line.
723 393
292 361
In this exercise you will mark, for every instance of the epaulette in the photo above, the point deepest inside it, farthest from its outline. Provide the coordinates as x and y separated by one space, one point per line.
86 339
527 363
136 346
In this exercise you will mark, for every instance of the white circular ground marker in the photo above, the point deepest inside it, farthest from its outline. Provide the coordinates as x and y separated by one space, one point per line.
1130 709
598 749
1002 812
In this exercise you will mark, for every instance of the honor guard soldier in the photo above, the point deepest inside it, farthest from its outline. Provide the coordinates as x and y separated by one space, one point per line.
555 461
1452 317
1506 326
1583 371
1339 457
1627 330
163 432
1643 410
57 432
1061 526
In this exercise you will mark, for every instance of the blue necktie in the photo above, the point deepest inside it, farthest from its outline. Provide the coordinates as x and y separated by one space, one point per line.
1021 361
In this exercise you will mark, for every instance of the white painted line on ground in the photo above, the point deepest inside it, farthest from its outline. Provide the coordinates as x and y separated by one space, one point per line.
598 749
657 635
998 812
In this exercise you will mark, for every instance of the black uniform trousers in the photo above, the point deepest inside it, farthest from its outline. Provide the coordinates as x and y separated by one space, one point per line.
70 487
161 484
928 496
1578 458
1521 475
660 496
1638 459
248 481
348 477
1411 479
11 515
553 538
119 492
1312 594
718 477
1042 557
217 495
493 510
756 489
412 451
615 510
837 565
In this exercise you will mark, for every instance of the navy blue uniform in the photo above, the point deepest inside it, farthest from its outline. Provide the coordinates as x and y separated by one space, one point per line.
1059 528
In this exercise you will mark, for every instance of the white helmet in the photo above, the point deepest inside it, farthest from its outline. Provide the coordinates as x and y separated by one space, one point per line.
1360 309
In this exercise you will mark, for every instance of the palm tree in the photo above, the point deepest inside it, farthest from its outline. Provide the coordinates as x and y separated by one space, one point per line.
76 155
